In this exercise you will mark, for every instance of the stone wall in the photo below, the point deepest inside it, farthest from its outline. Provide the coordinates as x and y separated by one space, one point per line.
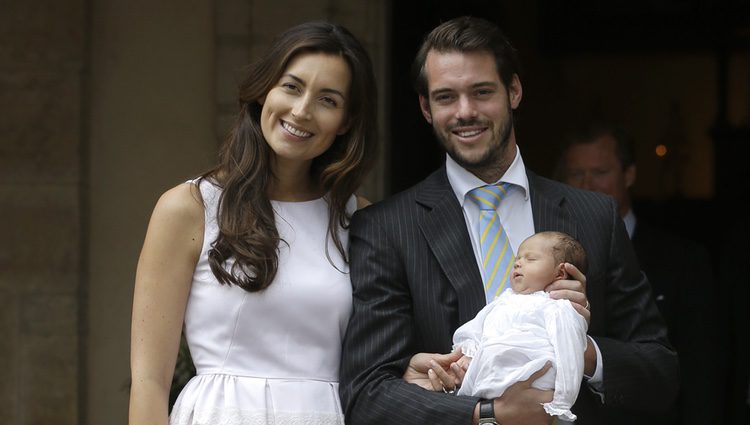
42 64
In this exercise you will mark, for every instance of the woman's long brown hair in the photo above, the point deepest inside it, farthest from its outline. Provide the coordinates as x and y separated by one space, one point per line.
247 229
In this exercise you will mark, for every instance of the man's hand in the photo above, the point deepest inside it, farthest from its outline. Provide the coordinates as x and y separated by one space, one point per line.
436 372
521 404
573 289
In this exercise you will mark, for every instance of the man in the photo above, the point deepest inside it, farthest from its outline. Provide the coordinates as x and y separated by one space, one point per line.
601 158
417 259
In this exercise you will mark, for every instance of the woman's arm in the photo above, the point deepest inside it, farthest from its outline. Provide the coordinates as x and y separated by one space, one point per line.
162 284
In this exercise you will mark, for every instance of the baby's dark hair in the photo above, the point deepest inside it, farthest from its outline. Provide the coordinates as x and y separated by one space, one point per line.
567 249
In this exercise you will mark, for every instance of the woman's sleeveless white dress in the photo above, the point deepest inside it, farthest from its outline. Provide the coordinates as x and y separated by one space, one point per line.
269 357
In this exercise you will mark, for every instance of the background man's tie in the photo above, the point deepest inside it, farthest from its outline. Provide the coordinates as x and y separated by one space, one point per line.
497 254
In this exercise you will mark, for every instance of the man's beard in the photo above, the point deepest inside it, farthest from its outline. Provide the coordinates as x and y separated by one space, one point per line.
495 153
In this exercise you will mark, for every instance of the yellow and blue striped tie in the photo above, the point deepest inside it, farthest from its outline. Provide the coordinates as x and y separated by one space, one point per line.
497 254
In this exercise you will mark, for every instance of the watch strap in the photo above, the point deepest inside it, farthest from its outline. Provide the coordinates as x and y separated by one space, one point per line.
487 412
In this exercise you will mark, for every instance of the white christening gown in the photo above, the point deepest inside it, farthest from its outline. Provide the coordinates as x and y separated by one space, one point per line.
513 337
269 357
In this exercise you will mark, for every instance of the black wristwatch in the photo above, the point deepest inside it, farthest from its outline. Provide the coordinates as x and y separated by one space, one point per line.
487 413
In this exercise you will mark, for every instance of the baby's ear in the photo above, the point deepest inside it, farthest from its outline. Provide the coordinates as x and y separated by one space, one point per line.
560 272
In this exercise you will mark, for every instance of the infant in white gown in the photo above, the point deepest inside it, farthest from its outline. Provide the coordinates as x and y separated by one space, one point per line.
517 333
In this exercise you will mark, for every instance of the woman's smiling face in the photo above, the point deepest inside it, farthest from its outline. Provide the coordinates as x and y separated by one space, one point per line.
304 112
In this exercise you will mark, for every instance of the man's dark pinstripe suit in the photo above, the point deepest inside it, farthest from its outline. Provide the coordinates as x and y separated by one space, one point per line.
416 280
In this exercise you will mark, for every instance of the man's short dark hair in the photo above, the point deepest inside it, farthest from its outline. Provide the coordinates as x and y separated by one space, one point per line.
624 149
467 34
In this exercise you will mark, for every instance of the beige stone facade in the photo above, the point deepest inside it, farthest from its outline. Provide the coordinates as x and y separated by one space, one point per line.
42 64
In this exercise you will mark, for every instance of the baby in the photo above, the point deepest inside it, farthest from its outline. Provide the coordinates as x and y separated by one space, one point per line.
517 333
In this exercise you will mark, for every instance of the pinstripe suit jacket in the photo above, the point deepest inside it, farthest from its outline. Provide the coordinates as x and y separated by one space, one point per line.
415 281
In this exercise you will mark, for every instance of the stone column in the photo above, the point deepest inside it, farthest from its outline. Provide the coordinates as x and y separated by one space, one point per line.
42 60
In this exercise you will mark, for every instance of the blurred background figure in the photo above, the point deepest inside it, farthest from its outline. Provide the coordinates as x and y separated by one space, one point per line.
601 158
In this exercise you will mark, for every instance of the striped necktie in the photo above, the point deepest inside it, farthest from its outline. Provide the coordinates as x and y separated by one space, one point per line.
497 254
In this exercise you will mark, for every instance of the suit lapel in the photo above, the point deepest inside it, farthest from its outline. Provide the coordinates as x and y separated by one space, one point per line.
546 207
444 229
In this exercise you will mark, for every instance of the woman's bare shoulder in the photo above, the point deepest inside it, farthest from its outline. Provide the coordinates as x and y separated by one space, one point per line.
182 203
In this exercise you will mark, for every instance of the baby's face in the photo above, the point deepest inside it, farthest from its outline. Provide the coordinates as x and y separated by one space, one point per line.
535 266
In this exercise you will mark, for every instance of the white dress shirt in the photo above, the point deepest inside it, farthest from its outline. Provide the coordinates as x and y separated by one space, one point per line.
514 211
630 222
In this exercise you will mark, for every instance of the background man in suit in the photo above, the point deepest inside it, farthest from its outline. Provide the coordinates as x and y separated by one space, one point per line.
417 274
601 158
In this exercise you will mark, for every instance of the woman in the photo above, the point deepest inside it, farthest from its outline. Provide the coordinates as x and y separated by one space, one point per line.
251 256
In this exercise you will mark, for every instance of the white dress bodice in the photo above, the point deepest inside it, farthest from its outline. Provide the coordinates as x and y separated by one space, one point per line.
272 356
